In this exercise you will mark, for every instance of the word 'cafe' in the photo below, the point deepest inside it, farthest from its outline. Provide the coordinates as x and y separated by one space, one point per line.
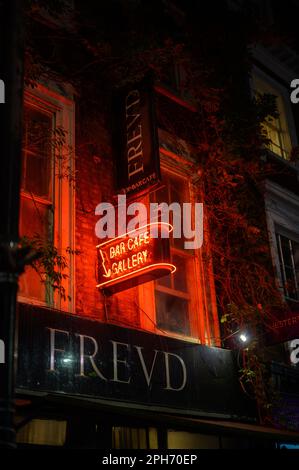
134 254
122 248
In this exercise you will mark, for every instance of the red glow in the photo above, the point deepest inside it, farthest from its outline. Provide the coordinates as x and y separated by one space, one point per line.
167 266
134 255
159 224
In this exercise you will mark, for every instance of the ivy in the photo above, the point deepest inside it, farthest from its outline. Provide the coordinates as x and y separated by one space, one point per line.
49 263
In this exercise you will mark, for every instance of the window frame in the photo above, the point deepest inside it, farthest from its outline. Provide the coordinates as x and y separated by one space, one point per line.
188 257
291 237
283 95
202 306
58 103
282 215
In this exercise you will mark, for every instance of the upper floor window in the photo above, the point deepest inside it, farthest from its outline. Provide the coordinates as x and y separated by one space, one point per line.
288 251
46 190
172 292
36 211
182 304
276 129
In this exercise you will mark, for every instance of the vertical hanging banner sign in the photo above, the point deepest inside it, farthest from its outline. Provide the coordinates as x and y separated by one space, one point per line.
138 162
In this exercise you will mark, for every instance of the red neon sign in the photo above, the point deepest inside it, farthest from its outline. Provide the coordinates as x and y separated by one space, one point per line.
134 258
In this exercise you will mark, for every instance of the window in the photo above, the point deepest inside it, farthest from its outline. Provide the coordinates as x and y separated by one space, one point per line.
134 438
191 440
36 190
276 129
47 192
172 296
288 251
43 432
182 304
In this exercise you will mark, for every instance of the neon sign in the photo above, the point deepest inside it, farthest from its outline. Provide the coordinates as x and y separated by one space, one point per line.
134 258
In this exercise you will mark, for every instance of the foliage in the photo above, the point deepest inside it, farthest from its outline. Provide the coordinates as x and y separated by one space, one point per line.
49 263
230 146
51 145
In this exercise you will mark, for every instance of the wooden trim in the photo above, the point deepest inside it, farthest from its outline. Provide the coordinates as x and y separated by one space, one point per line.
179 158
52 102
182 102
43 90
175 293
35 198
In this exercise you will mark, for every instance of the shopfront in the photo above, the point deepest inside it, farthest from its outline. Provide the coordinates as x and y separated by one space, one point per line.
86 384
128 357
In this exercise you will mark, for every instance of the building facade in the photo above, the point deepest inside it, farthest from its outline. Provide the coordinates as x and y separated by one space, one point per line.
138 362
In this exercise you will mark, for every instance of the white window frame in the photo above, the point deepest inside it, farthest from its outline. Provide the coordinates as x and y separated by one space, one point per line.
284 93
59 102
282 214
291 237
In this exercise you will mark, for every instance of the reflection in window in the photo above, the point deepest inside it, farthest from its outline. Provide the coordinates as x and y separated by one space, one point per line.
171 313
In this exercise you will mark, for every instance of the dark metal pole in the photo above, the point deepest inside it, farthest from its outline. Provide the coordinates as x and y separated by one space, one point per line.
11 72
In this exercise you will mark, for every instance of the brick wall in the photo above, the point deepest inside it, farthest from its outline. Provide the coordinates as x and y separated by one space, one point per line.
95 183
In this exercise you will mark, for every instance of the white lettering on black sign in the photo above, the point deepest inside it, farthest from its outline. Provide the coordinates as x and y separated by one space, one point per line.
134 134
120 354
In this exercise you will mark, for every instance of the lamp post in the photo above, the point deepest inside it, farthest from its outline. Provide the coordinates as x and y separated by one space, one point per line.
11 258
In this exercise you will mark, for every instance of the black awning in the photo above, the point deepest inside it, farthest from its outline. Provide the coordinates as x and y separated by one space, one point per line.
36 403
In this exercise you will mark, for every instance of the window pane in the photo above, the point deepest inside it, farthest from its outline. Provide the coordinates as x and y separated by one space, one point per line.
191 440
277 130
289 259
161 195
172 313
165 281
43 432
176 190
286 252
290 283
178 194
37 153
31 286
153 438
178 280
295 247
132 438
35 219
179 277
275 135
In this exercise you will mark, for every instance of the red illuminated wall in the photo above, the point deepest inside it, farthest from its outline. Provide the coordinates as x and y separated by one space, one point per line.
96 183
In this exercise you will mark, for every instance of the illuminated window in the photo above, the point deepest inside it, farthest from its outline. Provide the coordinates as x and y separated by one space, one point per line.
276 129
47 188
134 438
191 440
172 294
182 304
288 251
47 432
